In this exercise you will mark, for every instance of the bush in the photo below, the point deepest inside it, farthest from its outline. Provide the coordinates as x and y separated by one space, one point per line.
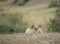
52 26
22 28
5 29
13 29
12 23
53 3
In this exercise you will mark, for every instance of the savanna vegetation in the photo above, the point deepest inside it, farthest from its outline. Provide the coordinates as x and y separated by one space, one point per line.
11 23
53 3
15 19
52 26
18 19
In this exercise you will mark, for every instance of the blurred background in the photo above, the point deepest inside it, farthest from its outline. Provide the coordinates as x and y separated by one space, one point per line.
17 15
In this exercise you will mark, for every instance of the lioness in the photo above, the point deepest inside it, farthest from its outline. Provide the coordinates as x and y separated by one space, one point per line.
34 29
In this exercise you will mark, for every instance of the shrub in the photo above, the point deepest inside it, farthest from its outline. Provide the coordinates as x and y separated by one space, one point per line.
5 28
53 3
12 23
22 28
52 26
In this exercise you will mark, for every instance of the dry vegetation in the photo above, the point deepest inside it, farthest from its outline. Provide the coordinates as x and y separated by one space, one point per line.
39 14
50 38
34 15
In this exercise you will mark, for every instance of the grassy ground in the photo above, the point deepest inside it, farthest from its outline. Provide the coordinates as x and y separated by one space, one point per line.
50 38
35 14
39 14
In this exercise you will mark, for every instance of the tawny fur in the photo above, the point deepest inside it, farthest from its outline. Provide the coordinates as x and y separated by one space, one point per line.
34 29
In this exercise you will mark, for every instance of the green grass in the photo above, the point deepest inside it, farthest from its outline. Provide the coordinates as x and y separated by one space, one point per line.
34 15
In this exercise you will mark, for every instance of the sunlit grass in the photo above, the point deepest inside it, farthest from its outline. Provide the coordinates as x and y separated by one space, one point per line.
34 15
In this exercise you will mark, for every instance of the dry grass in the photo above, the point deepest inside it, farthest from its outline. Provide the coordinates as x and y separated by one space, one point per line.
35 14
32 15
50 38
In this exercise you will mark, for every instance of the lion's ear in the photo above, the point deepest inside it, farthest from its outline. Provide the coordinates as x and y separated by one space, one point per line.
39 25
32 26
